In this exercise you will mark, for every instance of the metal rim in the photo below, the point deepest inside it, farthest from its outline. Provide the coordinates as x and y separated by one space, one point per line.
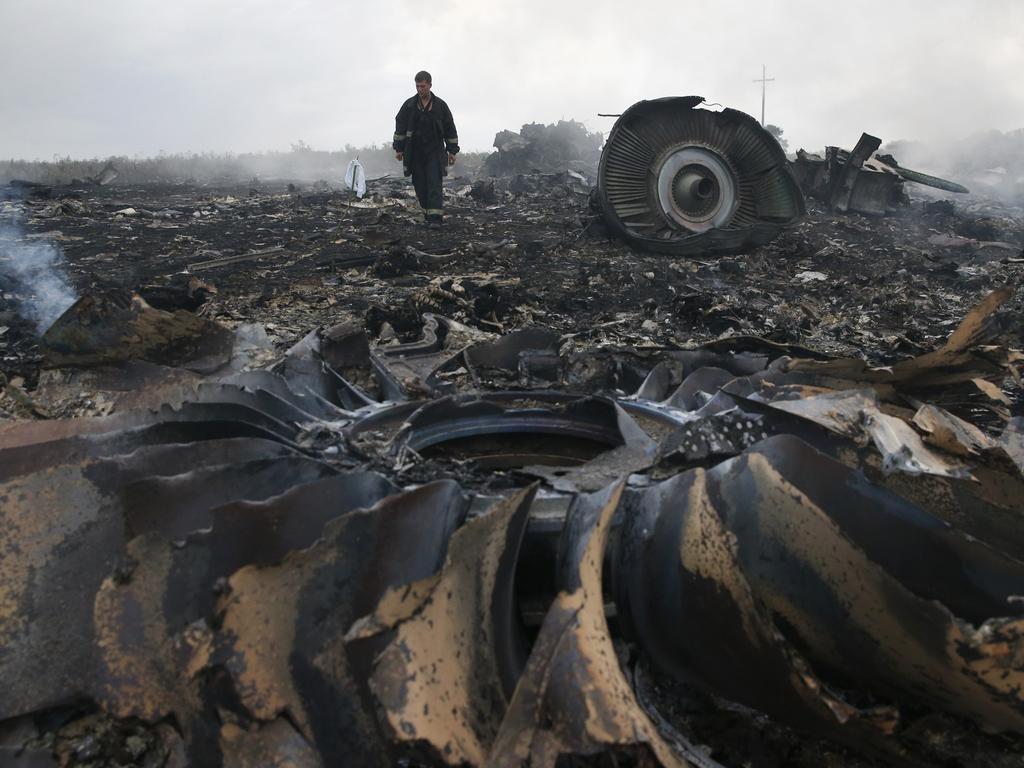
697 189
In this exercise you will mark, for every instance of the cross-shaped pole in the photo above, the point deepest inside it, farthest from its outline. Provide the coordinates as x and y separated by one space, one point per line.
764 85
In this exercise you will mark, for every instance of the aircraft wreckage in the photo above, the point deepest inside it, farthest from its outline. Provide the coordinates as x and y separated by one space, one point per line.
682 180
585 541
258 568
678 179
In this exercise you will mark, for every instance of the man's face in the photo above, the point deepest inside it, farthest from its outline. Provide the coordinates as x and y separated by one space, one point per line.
423 88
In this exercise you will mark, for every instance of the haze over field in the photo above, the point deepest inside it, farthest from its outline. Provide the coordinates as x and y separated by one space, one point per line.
135 78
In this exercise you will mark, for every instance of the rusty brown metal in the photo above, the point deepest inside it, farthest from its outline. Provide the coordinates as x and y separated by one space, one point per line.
678 564
283 627
445 677
782 548
573 697
273 745
209 563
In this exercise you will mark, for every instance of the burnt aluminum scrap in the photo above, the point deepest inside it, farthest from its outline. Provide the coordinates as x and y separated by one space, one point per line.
861 180
227 563
678 179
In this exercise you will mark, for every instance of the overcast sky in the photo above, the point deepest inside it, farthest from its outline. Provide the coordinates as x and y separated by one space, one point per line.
93 78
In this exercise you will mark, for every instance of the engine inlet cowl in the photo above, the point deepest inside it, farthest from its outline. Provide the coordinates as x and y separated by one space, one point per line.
686 181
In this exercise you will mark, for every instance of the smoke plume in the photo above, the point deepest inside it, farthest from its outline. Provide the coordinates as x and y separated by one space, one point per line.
33 273
990 164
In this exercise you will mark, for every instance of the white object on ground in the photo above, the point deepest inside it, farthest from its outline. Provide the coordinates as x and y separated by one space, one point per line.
355 178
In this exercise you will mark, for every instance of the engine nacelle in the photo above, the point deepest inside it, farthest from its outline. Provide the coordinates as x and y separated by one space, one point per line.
678 179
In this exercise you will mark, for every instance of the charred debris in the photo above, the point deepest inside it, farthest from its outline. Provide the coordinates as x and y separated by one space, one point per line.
295 481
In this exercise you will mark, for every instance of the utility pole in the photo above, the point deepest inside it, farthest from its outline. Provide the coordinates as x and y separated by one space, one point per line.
764 85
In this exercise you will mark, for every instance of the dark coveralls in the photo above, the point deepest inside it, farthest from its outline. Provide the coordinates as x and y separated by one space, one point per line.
426 136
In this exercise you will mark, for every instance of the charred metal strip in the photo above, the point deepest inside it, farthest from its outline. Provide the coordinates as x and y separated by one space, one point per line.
214 420
60 536
308 402
305 372
385 421
154 622
855 413
195 437
198 266
573 698
284 626
176 506
973 580
435 328
637 452
223 420
722 434
986 507
858 617
64 533
445 678
235 413
259 400
931 181
506 351
697 389
734 352
179 458
681 594
951 434
658 381
844 180
412 367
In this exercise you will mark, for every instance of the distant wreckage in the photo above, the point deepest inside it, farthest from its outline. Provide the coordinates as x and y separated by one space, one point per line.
686 181
861 181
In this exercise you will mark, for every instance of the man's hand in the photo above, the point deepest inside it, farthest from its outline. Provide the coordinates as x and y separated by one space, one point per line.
451 159
399 156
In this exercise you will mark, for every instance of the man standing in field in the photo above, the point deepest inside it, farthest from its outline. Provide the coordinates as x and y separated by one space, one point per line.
426 142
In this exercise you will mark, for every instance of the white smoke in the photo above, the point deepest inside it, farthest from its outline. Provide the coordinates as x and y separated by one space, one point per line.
33 272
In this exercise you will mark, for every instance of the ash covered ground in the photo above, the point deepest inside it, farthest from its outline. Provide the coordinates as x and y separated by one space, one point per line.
531 253
519 252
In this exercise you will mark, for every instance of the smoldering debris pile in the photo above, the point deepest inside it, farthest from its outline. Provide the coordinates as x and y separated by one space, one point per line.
564 145
299 480
861 180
